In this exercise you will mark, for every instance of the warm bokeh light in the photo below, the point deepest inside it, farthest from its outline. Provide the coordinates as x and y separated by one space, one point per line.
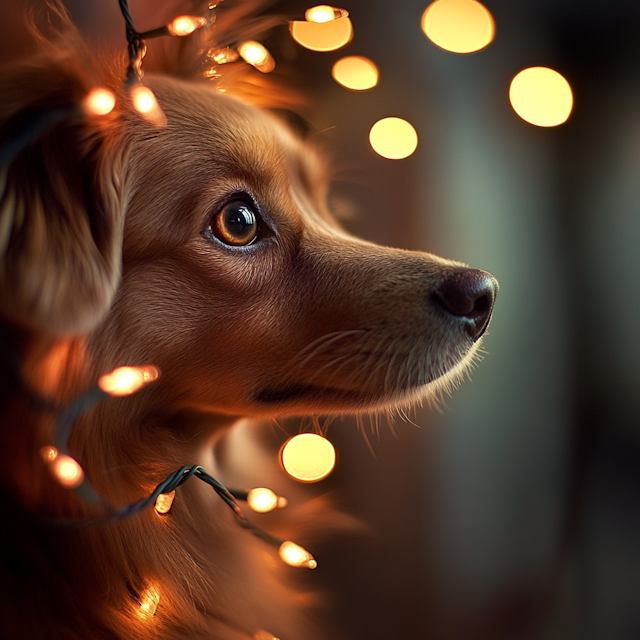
393 138
145 103
149 601
308 457
262 500
296 556
124 381
67 471
356 73
100 101
324 13
256 54
48 453
184 25
164 502
460 26
322 36
541 96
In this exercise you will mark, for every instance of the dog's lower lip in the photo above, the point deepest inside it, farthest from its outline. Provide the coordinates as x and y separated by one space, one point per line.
277 395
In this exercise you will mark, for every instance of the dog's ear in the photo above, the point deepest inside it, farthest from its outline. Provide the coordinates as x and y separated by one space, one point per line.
60 207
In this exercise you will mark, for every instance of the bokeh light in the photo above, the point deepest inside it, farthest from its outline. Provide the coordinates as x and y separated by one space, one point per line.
321 13
393 138
541 96
184 25
308 457
124 381
356 73
460 26
322 36
100 101
67 471
296 556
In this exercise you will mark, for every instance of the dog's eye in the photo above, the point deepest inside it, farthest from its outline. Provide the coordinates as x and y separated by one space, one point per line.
235 224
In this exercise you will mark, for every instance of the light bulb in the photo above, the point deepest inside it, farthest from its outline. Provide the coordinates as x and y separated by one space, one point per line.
308 457
296 556
256 54
393 138
124 381
99 101
322 36
145 103
264 500
324 13
184 25
67 471
164 502
149 601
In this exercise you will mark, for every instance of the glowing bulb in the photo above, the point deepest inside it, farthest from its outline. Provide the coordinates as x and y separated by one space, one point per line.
67 471
255 54
124 381
324 13
296 556
308 457
145 103
541 96
99 101
164 502
322 36
355 72
460 26
49 454
264 500
393 138
184 25
149 603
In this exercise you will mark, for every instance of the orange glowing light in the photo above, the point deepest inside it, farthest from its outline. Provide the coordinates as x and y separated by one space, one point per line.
99 101
459 26
145 103
541 96
356 73
67 471
223 55
393 138
124 381
308 457
322 36
264 500
49 454
149 602
164 502
184 25
256 54
296 556
324 13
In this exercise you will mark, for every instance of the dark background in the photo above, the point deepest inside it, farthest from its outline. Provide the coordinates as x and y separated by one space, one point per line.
514 511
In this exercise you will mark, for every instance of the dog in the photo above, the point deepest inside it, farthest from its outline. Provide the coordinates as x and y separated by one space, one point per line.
206 248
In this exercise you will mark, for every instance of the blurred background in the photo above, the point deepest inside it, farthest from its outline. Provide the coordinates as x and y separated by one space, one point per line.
513 511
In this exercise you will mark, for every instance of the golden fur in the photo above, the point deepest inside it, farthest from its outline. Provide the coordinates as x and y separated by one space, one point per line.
107 259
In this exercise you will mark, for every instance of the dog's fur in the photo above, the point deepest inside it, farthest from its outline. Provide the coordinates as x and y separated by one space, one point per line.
107 259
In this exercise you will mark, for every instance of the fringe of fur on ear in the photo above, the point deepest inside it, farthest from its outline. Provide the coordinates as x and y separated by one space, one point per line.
60 211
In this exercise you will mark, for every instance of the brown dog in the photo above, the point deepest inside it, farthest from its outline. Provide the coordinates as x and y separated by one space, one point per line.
206 248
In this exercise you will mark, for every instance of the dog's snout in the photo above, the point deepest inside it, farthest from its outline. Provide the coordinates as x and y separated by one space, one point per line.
469 294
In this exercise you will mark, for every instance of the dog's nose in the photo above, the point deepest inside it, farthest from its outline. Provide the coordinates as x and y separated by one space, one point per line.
469 294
